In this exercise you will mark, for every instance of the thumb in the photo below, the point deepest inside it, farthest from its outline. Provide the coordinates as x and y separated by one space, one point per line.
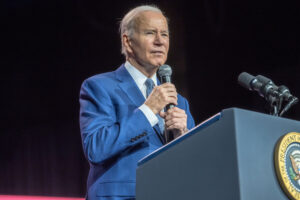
162 114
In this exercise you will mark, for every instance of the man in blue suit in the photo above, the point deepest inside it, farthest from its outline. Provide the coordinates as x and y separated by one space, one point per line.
121 112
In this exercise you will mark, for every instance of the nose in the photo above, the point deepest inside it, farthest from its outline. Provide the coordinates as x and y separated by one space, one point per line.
159 40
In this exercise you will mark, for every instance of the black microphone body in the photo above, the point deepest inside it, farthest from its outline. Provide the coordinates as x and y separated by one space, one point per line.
271 92
249 82
285 93
164 73
261 84
281 91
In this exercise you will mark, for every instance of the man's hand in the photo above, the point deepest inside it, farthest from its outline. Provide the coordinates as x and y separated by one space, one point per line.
175 121
161 96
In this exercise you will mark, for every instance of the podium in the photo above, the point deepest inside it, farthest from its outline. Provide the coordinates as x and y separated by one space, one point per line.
230 156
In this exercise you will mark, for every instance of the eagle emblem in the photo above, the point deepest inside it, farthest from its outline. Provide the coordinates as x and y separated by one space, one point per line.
294 171
287 164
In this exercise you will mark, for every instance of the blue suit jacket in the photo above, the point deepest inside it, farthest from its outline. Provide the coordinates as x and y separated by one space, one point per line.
115 133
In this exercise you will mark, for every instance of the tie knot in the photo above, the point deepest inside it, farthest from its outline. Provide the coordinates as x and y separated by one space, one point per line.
150 85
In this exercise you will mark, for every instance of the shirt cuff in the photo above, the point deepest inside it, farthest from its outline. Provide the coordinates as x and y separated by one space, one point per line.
152 118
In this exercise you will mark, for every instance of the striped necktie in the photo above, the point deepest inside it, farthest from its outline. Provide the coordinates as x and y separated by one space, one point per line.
150 85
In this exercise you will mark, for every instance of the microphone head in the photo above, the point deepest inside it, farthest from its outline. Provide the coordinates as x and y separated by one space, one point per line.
267 82
164 70
263 79
283 89
245 80
285 92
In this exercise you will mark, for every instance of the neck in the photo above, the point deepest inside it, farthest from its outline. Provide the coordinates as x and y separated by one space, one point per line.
148 71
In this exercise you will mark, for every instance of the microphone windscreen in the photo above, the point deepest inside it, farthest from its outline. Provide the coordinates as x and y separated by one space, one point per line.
245 80
263 79
164 70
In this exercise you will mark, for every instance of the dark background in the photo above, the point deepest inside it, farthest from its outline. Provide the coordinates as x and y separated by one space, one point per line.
49 47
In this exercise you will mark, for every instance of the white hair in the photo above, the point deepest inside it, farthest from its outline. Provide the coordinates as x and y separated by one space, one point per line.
128 23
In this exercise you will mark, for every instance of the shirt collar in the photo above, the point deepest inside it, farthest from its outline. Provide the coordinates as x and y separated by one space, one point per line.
138 76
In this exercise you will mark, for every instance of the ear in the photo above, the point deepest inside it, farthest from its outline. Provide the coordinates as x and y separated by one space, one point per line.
127 43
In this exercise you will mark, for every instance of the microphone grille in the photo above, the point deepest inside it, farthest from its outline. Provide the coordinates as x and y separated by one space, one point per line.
164 70
245 80
264 79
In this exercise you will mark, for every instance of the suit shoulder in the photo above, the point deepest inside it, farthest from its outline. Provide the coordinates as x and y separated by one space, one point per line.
181 98
103 79
182 102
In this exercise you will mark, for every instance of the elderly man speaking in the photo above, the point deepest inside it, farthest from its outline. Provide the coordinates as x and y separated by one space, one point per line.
121 112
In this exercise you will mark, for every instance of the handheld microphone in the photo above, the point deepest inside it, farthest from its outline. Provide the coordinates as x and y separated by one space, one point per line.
164 72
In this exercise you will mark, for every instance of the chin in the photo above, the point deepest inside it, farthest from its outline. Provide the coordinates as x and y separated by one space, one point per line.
159 63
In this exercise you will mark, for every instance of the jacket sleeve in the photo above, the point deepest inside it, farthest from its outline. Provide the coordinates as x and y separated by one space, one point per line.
103 136
190 119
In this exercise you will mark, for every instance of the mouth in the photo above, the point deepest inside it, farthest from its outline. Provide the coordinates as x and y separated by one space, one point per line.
158 52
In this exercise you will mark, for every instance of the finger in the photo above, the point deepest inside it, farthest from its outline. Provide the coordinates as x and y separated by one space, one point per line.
168 94
175 121
167 85
172 113
176 126
176 116
179 110
163 90
171 100
159 92
175 109
166 99
162 114
167 90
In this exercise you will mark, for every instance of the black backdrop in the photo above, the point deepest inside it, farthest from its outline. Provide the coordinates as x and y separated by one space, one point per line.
49 47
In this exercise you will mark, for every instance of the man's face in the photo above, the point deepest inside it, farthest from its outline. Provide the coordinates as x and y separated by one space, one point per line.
149 44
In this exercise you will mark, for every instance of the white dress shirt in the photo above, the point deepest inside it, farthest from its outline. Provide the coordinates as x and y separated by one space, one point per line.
140 80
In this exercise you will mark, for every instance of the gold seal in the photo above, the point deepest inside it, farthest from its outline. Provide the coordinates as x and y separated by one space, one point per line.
287 164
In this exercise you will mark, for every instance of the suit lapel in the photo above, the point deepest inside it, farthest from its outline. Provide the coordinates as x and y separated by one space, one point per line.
159 133
128 85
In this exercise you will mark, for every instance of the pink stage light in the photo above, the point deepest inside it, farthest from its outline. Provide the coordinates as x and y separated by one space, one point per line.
18 197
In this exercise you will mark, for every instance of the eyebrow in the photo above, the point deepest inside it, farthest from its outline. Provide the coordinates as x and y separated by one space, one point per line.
154 30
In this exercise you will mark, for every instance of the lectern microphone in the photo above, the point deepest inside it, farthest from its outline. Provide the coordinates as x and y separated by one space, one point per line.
272 93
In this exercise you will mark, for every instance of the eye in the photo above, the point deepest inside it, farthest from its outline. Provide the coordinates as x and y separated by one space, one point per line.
149 32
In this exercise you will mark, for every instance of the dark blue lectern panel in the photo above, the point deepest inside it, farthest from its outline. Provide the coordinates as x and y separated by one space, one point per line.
231 158
195 130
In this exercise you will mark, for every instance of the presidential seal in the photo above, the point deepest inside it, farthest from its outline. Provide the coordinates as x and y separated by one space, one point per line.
287 164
